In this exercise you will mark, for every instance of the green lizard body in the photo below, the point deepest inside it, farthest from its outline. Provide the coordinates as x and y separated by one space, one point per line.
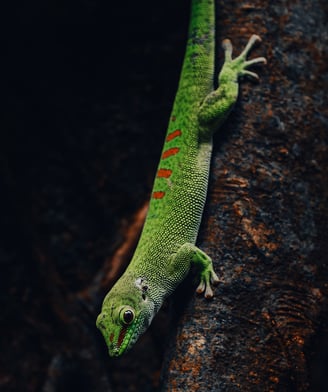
166 247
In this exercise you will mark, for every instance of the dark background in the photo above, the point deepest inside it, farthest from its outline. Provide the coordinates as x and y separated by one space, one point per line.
87 89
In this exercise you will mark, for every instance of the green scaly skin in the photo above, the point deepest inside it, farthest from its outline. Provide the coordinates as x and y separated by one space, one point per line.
167 245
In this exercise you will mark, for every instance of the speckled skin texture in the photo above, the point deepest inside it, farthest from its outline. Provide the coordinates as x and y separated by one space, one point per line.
167 245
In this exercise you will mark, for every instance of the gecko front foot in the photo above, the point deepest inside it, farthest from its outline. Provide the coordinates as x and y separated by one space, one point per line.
190 254
207 273
207 277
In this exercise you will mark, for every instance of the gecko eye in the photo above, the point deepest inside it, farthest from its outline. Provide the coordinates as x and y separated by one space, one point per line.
126 315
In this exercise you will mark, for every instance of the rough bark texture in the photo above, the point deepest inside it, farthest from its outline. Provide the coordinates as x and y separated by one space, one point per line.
266 220
89 93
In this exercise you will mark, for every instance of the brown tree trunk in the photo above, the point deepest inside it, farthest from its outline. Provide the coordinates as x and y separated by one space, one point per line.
265 223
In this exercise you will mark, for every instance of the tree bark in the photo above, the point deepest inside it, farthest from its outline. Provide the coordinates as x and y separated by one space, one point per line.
265 224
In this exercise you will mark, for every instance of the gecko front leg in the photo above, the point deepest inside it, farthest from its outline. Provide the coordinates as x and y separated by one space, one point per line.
180 264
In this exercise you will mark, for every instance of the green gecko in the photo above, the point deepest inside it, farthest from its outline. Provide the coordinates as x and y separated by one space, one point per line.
166 248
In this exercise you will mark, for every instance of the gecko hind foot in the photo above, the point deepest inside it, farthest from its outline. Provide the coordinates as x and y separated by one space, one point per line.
240 64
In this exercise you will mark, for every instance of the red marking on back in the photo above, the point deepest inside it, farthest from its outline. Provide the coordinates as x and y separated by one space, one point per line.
111 337
158 195
164 173
121 337
170 152
173 135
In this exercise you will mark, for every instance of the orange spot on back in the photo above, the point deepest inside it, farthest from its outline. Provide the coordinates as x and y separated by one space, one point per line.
170 152
158 195
111 338
173 135
164 173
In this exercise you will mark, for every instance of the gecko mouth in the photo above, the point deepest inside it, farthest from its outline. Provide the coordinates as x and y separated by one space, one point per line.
121 337
126 338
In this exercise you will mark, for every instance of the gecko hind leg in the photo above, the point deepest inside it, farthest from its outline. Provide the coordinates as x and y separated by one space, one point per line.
218 104
239 65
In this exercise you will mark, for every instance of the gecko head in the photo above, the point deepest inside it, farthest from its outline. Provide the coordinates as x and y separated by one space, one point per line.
125 316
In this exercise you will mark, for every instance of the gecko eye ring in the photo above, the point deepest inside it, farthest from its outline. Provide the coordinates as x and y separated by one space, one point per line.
126 316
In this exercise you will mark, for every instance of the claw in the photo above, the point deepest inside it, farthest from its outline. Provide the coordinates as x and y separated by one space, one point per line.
208 292
214 278
255 61
254 38
227 47
253 75
204 286
201 287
